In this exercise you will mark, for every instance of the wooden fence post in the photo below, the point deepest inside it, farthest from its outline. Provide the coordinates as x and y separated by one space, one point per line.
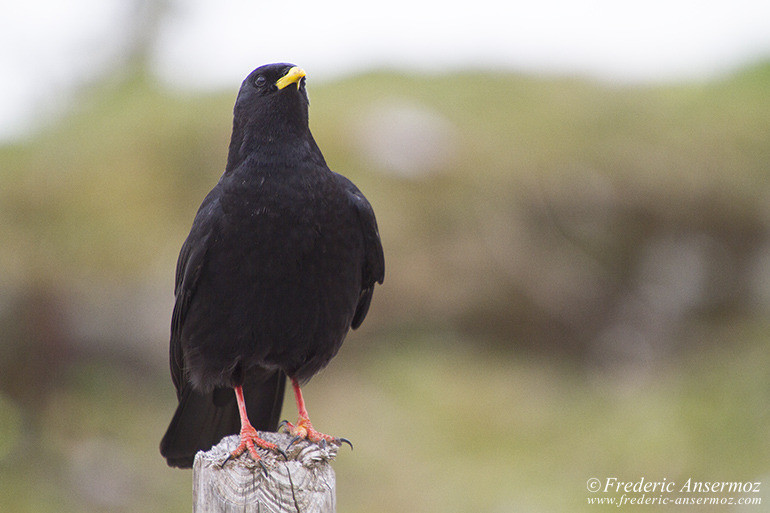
303 482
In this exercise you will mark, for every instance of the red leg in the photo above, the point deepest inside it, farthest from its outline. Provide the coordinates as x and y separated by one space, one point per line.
303 428
249 438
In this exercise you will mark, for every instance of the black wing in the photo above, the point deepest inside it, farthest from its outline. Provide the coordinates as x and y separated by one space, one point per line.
189 267
202 419
373 270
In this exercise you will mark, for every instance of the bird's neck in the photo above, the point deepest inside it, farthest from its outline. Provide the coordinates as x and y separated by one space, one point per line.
271 148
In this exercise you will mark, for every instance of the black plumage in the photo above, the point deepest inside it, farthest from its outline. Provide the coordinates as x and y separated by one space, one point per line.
280 263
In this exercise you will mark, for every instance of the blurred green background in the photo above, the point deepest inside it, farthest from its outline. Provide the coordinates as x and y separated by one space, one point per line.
577 285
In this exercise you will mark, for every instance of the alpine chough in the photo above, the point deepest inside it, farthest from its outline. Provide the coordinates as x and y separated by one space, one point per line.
280 263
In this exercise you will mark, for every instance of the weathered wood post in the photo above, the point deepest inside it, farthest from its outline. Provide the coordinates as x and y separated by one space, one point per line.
302 482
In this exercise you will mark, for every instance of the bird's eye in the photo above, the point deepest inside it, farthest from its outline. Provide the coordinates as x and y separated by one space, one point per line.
260 81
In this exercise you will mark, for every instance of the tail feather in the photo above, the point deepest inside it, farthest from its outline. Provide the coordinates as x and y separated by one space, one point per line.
202 420
264 401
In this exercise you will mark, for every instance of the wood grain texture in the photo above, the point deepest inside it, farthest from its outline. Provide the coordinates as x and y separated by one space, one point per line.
304 482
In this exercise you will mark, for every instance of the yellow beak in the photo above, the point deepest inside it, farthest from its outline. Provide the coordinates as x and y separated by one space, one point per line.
293 76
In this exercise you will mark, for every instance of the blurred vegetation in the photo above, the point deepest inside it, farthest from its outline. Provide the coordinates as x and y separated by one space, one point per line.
577 285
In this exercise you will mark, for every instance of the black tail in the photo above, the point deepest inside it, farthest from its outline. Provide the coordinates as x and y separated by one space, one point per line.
202 420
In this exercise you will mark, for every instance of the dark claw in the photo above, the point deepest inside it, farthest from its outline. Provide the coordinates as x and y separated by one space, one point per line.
222 465
293 441
282 424
345 441
282 453
264 468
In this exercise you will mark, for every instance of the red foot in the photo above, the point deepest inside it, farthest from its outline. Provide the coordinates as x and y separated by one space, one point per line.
304 429
250 441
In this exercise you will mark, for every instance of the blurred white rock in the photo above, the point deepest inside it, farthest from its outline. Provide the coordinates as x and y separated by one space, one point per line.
405 138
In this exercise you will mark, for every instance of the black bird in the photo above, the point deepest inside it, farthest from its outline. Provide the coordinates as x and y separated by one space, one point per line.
280 263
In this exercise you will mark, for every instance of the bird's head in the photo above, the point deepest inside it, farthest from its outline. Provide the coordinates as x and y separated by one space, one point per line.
274 96
270 118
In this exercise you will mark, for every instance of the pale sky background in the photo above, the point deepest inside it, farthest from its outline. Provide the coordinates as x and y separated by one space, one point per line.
48 47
